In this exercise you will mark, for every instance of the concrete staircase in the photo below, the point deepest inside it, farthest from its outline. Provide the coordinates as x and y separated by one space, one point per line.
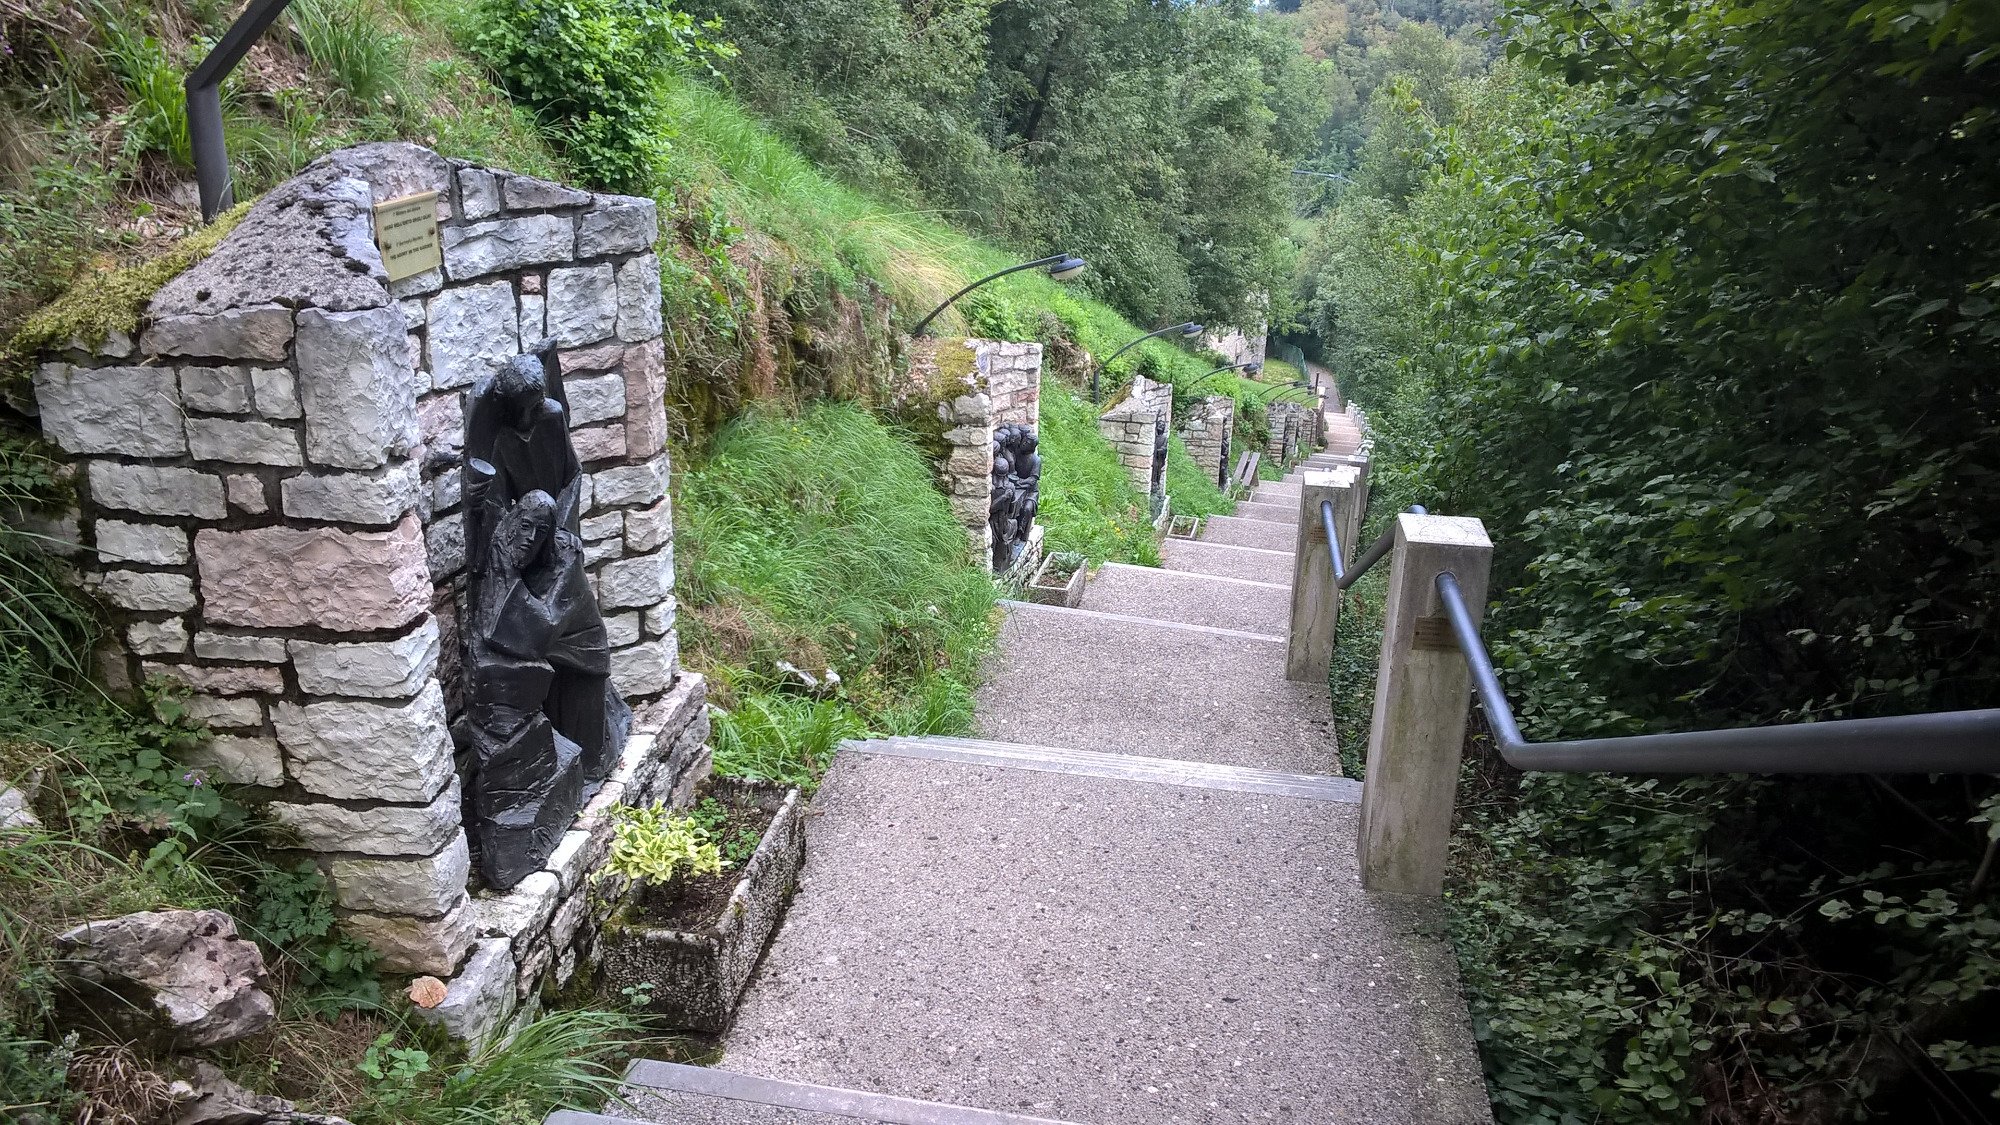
1132 901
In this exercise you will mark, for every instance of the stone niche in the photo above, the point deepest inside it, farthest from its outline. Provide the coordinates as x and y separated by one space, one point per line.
975 390
1136 426
1288 426
269 505
1211 422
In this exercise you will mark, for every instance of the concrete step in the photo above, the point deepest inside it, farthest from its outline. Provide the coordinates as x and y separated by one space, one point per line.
1191 599
1196 557
1073 944
694 1095
1262 510
1132 685
1272 492
1236 531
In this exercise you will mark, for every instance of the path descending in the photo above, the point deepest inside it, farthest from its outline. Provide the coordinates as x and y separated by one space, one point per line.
1132 901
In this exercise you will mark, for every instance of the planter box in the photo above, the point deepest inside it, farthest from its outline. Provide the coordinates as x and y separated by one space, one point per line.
1184 527
698 975
1068 594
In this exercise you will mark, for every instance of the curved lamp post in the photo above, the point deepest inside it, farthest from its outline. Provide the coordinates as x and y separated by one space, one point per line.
1251 368
1187 331
1062 267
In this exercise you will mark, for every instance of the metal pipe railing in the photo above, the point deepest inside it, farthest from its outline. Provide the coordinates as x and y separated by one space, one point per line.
1943 742
1333 543
1382 546
204 105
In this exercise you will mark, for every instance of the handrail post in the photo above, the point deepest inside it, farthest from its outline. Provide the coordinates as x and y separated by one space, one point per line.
1315 598
1422 697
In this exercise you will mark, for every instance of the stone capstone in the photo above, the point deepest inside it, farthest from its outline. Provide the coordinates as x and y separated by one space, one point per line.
394 669
263 332
283 577
354 386
474 329
377 499
182 973
582 305
131 411
426 887
368 751
390 830
478 193
479 1000
416 945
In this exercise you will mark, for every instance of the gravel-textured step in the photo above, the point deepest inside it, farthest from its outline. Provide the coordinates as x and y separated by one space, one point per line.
1272 511
674 1094
1235 532
1197 557
1127 685
1192 599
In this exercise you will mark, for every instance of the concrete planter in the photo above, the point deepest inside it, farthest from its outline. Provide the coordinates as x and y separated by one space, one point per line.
1184 527
698 975
1048 589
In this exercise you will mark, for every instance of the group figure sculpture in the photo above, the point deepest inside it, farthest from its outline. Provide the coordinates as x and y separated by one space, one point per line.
546 722
1017 492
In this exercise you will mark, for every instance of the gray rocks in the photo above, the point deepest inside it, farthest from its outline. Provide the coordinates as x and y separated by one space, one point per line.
480 999
354 369
473 329
367 751
426 886
131 411
582 306
388 830
379 669
262 332
157 490
181 974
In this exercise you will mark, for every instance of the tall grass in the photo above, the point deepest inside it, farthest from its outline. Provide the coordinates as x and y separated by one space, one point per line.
357 45
1192 486
1088 504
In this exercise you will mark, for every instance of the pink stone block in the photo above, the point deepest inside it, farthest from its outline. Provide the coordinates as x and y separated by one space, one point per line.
645 399
599 443
282 577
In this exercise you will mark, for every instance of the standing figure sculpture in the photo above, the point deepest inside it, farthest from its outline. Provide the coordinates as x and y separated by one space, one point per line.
545 719
1017 493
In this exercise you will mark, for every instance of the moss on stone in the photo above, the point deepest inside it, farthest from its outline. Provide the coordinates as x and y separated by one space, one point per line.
111 301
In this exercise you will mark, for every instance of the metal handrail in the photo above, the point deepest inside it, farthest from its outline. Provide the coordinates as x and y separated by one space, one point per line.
204 105
1333 544
1382 545
1941 742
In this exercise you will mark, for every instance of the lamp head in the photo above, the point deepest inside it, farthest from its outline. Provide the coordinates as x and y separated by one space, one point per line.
1190 330
1252 368
1066 269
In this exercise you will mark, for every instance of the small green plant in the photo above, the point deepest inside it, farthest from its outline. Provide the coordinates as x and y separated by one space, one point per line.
395 1071
711 819
652 844
292 910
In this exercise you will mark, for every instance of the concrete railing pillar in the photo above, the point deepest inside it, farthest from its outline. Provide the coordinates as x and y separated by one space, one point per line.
1315 599
1422 695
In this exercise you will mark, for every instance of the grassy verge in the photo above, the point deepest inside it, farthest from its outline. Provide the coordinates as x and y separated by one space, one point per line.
819 541
1088 505
1193 489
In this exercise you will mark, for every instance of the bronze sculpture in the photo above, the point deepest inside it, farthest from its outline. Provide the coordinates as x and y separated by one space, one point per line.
546 722
1017 490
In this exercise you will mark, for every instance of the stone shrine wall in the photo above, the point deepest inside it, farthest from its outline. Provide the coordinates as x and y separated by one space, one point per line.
1210 423
979 386
1130 425
1287 425
1236 345
269 504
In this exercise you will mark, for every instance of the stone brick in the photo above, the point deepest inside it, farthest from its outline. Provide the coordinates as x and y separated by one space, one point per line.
660 618
247 493
157 638
595 398
276 392
639 299
282 577
215 711
619 224
415 945
234 760
257 332
426 887
401 830
570 861
131 411
602 551
444 546
522 911
244 649
145 592
643 669
478 249
354 386
526 193
599 443
220 679
534 316
243 443
414 314
474 329
145 543
636 582
598 357
479 1000
478 193
606 525
441 422
645 399
622 629
394 669
377 499
368 751
447 490
582 305
650 528
217 390
418 285
629 485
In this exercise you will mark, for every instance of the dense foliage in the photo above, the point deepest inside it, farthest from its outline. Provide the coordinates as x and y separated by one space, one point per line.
1694 305
1153 139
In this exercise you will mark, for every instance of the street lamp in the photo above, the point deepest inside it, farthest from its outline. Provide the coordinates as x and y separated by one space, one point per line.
1251 369
1187 331
1062 267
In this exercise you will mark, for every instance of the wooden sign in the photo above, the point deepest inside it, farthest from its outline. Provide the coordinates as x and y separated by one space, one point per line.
406 231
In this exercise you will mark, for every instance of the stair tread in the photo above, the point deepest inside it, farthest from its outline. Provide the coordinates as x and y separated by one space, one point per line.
1196 599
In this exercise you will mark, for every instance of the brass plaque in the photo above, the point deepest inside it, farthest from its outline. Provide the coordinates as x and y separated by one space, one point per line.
1433 632
406 231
